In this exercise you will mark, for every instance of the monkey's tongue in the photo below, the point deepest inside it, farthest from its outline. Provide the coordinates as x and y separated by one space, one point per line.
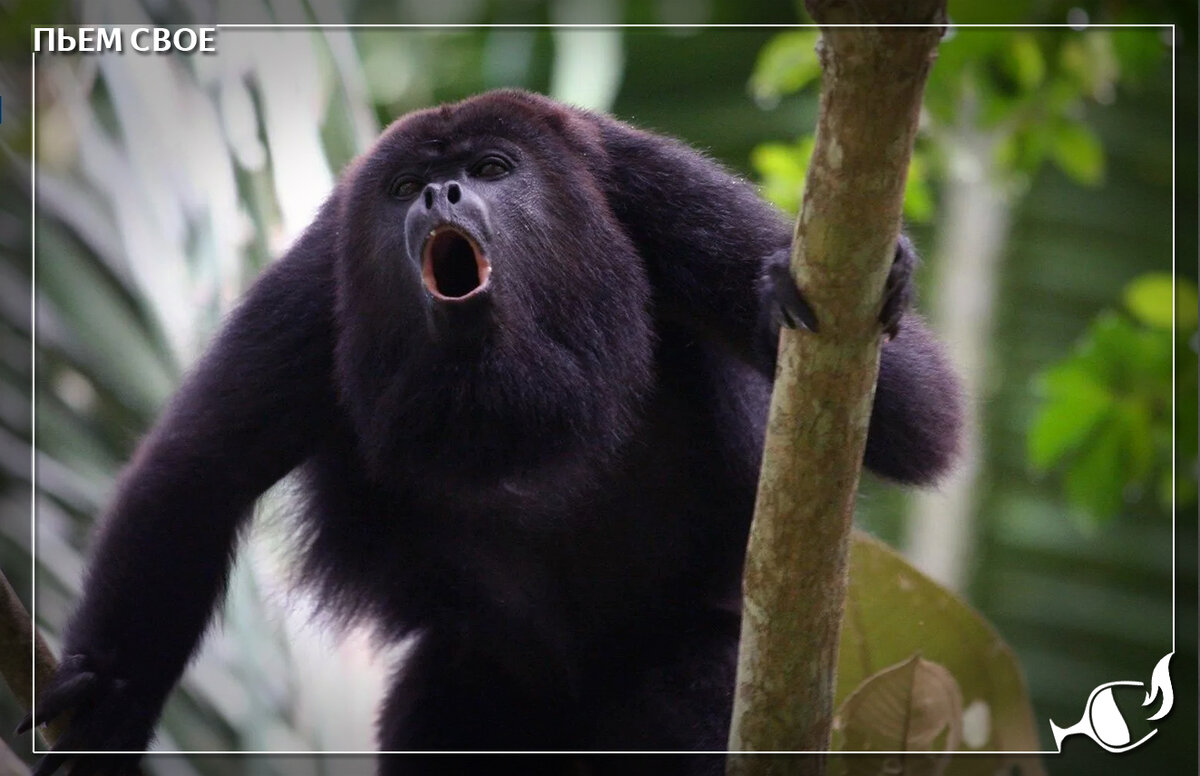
453 267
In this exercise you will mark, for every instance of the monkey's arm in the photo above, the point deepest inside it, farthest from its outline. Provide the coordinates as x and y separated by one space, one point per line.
718 260
250 411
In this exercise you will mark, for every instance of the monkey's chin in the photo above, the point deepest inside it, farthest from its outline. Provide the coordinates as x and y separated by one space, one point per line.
453 266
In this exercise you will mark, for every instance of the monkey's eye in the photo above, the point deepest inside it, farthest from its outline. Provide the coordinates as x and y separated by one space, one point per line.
491 167
405 187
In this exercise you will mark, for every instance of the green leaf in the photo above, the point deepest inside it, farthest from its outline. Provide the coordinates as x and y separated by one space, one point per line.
1134 420
782 169
1023 150
893 613
999 98
1076 403
1096 479
1185 487
1076 150
1024 61
786 64
1105 410
1073 59
1087 63
1187 305
1149 297
918 197
1128 358
1139 52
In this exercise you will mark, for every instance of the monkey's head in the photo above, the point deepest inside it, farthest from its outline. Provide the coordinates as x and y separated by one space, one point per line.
490 303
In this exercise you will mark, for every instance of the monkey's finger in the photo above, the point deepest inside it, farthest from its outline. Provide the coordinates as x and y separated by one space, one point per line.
68 666
898 290
894 307
794 309
70 741
60 698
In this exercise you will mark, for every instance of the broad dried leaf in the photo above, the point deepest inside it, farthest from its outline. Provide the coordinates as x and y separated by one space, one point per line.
914 706
894 612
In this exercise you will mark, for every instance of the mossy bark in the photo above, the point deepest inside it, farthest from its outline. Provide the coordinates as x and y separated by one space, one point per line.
795 576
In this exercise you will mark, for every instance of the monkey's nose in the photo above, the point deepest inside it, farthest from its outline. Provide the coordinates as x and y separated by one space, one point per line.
453 194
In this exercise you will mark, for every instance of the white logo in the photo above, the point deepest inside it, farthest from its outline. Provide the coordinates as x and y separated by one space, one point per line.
1102 720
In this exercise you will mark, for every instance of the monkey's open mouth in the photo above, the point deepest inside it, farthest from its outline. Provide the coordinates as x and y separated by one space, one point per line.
452 265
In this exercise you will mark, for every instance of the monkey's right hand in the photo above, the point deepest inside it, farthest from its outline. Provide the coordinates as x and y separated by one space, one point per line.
104 713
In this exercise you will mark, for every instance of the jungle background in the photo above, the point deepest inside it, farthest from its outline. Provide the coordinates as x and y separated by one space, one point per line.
1040 196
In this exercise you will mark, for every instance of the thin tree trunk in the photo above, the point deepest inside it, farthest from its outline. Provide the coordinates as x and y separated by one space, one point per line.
795 577
22 653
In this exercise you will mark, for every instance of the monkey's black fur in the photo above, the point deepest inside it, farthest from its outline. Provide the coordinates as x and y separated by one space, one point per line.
522 361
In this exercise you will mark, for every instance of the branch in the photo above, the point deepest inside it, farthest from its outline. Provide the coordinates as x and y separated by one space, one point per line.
795 575
18 642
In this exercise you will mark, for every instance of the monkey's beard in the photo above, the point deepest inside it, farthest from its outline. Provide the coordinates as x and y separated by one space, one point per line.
542 375
522 408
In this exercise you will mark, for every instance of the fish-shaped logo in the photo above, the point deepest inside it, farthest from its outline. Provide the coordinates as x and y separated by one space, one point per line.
1103 722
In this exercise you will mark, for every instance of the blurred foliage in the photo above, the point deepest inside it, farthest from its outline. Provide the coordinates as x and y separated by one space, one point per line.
1031 87
1027 88
788 64
1105 419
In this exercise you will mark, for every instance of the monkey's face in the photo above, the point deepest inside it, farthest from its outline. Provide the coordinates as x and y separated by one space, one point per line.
449 195
484 279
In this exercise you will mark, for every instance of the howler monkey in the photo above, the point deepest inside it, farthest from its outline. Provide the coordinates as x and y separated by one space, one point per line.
521 363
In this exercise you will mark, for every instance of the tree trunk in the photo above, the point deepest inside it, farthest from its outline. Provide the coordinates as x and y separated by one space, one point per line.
795 576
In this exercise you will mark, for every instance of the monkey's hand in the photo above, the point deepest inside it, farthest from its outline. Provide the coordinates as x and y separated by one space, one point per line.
785 301
103 713
789 307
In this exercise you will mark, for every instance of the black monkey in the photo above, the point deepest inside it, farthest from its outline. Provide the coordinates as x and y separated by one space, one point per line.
521 362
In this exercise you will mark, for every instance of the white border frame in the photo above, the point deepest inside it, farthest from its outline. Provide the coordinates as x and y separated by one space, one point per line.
33 376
